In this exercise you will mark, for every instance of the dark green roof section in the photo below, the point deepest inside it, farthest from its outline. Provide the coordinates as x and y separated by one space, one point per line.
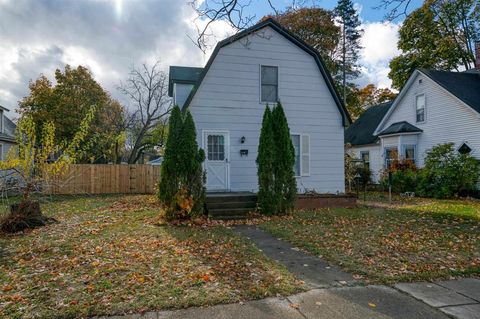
400 127
361 131
346 120
182 74
464 85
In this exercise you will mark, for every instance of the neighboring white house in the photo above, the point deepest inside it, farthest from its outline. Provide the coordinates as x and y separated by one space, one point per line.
434 107
264 64
7 133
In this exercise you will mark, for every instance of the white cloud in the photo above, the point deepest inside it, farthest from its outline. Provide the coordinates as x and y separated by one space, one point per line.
107 36
379 43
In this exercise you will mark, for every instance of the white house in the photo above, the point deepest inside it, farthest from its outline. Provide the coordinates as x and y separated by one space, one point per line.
7 133
434 107
263 65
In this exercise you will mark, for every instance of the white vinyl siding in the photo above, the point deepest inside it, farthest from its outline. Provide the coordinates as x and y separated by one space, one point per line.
228 99
375 162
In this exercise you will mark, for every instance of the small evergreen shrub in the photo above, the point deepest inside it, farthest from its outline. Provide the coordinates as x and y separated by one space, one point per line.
182 180
448 173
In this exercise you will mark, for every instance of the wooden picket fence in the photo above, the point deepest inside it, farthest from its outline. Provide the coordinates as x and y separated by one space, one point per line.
106 179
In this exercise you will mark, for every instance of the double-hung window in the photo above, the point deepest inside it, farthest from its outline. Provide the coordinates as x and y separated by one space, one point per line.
269 83
409 152
301 146
365 157
420 108
391 154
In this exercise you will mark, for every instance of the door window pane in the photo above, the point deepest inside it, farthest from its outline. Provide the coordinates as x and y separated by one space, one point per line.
216 147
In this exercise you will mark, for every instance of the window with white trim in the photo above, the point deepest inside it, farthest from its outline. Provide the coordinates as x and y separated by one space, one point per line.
365 157
410 152
301 146
269 83
390 154
420 108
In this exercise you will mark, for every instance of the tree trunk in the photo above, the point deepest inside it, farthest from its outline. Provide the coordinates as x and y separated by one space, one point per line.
24 215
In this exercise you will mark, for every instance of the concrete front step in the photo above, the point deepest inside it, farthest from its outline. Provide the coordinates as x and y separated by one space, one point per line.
225 198
229 212
229 205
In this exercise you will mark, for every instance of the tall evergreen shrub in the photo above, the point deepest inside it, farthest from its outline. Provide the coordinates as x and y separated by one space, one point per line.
267 200
170 175
182 180
285 184
191 159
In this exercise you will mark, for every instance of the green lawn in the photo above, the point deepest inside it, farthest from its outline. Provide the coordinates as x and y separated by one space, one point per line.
107 256
454 207
414 239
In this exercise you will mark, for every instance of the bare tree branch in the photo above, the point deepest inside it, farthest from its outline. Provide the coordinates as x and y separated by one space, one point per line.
234 12
147 88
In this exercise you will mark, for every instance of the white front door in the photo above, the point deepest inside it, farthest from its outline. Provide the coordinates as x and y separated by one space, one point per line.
216 146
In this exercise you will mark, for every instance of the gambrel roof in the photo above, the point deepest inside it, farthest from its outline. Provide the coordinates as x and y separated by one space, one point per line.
295 40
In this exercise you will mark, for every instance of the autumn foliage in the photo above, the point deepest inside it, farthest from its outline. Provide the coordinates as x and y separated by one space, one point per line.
34 164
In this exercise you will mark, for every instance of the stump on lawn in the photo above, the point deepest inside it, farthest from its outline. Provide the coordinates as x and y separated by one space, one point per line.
25 215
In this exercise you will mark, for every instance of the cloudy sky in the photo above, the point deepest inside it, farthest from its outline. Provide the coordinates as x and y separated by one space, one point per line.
109 36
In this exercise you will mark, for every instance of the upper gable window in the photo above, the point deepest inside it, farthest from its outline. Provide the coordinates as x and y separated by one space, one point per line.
420 107
269 83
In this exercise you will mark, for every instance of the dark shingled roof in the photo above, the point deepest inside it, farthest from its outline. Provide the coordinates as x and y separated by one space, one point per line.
182 74
400 127
464 85
361 131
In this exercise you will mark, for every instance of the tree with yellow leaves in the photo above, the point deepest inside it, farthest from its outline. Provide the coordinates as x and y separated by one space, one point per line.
35 163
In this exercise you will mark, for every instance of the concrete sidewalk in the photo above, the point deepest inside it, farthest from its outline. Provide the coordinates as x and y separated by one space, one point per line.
347 302
458 298
315 272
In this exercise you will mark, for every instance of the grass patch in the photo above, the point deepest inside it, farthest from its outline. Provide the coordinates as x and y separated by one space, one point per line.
106 257
468 208
386 245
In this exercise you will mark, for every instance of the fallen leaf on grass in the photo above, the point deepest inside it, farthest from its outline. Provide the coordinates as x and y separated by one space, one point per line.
372 305
7 288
